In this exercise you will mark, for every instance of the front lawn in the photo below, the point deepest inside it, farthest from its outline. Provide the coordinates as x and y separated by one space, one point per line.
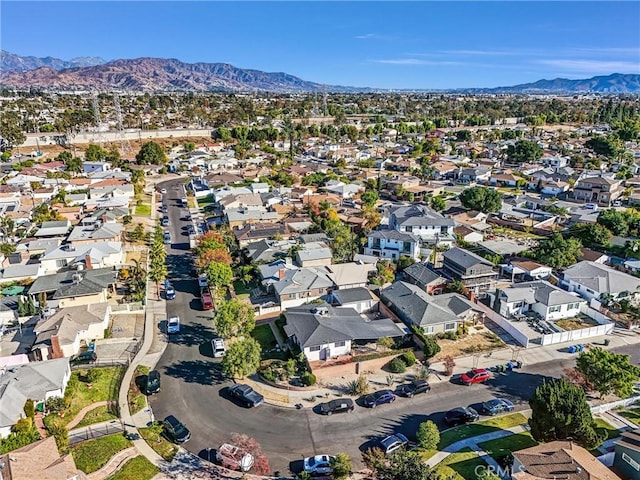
160 445
631 414
501 447
138 468
137 400
461 465
603 426
92 455
455 434
81 392
103 413
204 201
268 343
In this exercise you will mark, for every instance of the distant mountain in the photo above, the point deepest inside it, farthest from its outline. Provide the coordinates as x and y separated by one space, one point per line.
149 74
10 62
615 83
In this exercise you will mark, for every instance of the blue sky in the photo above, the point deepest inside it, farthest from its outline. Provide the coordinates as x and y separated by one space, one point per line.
377 44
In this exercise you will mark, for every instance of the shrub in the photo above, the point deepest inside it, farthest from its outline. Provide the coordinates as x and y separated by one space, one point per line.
428 435
359 386
29 409
59 431
268 374
423 374
55 404
308 379
450 335
449 363
385 343
397 365
431 347
94 374
408 358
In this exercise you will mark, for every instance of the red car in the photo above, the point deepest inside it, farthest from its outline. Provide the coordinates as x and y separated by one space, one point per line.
477 375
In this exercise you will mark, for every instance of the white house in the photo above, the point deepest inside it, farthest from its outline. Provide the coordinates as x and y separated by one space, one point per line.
360 298
323 332
424 222
392 244
594 280
37 381
90 167
548 301
64 331
89 255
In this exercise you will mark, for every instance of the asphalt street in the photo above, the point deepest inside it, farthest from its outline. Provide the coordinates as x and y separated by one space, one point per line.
193 388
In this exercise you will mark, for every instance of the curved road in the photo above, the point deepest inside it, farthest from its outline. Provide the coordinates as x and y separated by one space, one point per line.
193 386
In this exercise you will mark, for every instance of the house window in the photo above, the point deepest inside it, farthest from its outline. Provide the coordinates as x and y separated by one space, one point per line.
61 263
406 246
409 229
376 243
340 344
518 304
450 326
631 461
590 291
315 348
557 308
428 329
443 230
573 306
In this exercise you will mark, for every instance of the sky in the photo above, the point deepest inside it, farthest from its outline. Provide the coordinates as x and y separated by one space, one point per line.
386 45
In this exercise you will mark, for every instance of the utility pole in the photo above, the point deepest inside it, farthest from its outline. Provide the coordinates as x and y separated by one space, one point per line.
124 143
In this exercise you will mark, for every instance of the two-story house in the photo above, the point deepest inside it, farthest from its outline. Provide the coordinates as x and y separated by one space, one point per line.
477 273
420 220
392 244
600 190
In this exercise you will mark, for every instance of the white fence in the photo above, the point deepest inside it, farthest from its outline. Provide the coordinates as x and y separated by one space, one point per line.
263 310
610 406
575 335
505 324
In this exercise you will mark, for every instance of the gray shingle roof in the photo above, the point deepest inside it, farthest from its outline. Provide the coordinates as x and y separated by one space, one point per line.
419 215
60 282
539 292
422 274
303 280
393 235
464 258
311 327
350 295
600 278
67 322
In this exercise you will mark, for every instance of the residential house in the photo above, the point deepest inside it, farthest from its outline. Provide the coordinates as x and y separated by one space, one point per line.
37 381
54 228
548 301
599 190
473 174
594 280
314 254
39 460
239 217
20 272
420 220
90 167
268 250
350 275
392 244
593 256
63 333
295 287
443 170
558 459
84 256
421 275
323 332
467 234
36 247
626 461
527 269
477 273
504 180
360 299
107 232
434 313
554 161
343 190
251 200
70 289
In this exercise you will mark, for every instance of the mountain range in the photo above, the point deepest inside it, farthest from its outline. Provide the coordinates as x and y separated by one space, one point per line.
160 74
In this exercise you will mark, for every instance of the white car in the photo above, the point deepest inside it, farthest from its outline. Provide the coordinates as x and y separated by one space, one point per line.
163 191
318 465
173 325
217 346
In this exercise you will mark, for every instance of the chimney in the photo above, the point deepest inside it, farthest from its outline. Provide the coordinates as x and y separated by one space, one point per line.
281 273
56 350
104 218
87 262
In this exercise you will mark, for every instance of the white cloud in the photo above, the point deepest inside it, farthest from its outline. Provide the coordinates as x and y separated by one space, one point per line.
374 36
593 66
415 61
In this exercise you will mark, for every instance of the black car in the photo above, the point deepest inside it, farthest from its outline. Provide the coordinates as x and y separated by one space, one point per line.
379 398
85 357
461 415
411 389
152 384
246 395
336 406
176 430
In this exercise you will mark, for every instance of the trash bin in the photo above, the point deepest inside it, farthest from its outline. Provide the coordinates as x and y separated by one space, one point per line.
572 349
606 342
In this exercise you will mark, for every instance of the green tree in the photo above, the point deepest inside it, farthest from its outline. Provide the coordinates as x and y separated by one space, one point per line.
608 372
431 347
437 203
234 319
601 145
341 466
369 198
590 233
483 199
7 249
404 465
29 409
189 146
137 176
242 358
428 435
223 134
73 165
61 434
10 129
558 252
94 153
559 410
525 151
617 222
151 153
219 274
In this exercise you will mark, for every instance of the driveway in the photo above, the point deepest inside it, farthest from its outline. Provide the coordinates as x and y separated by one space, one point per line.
193 389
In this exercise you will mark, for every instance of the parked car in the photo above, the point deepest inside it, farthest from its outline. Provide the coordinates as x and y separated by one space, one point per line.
497 405
202 281
167 238
411 389
152 385
379 398
165 209
318 465
460 415
176 430
338 405
477 375
207 301
218 347
173 325
169 291
190 229
246 395
393 442
165 221
88 356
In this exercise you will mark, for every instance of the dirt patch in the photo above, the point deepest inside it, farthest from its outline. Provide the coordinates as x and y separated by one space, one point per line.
478 342
575 323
